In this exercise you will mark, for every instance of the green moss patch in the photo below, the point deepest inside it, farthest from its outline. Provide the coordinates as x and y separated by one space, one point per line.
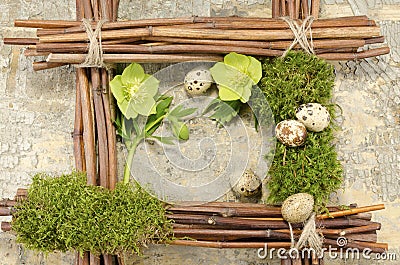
63 213
313 168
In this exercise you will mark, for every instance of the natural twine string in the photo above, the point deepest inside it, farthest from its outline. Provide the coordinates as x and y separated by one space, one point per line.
291 236
94 57
300 34
309 237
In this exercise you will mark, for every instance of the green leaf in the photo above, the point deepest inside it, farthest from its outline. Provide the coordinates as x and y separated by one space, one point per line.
164 140
151 129
176 110
179 112
134 73
117 124
180 130
154 109
163 104
186 112
224 112
184 132
125 129
239 61
117 88
175 126
213 104
136 127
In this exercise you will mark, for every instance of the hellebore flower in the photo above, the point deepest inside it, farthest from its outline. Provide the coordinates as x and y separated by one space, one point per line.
236 76
134 91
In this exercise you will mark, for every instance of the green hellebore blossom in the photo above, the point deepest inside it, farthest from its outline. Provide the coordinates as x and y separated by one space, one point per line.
236 76
134 91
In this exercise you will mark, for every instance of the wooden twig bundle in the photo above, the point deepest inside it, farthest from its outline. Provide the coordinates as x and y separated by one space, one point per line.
295 8
247 225
226 225
93 117
199 38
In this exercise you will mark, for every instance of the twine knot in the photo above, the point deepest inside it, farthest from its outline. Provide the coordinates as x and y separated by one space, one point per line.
94 57
300 34
309 237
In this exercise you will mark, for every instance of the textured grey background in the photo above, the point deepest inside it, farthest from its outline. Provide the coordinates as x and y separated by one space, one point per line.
36 119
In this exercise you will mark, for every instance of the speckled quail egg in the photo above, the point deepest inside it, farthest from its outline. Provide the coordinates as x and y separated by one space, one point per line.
297 208
291 133
248 185
314 116
198 81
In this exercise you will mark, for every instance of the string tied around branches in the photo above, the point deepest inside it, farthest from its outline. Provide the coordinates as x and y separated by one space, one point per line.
309 237
300 34
94 57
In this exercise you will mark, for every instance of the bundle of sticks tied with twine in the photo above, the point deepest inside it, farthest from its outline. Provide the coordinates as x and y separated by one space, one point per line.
249 225
169 40
94 135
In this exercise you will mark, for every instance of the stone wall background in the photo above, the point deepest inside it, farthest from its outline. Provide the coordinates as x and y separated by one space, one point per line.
36 119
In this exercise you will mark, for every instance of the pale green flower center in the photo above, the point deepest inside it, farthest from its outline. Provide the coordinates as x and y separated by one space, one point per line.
134 92
240 79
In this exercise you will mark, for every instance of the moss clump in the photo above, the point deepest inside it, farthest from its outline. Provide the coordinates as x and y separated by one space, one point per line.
313 168
64 213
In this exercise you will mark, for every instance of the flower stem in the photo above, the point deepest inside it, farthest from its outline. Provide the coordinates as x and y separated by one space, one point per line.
129 159
133 146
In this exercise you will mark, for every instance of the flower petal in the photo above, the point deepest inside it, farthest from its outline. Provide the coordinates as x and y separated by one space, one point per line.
232 83
131 112
246 94
225 75
146 107
150 85
117 88
227 94
134 73
154 109
254 70
127 109
239 61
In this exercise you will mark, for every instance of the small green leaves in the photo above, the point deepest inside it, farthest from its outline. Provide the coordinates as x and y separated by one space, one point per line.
223 112
179 128
134 91
154 121
179 112
164 140
236 76
175 116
